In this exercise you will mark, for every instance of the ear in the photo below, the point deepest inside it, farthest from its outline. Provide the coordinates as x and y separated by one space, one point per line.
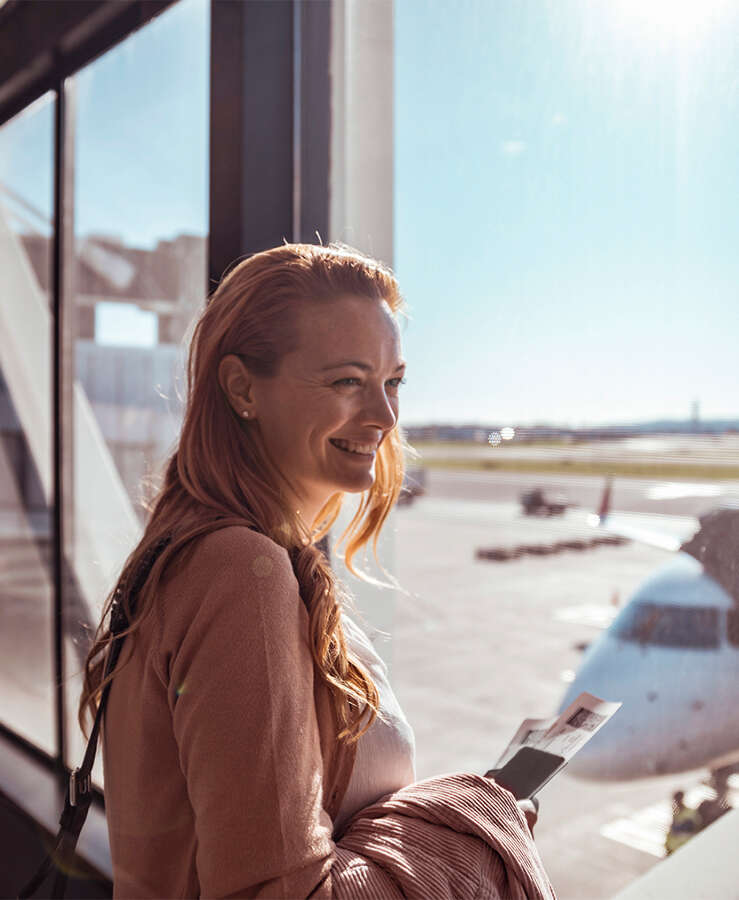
235 380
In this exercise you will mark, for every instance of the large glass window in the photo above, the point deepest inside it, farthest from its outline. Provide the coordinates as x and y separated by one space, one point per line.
141 187
26 472
565 242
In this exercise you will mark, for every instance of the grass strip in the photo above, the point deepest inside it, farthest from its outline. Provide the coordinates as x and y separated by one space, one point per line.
659 471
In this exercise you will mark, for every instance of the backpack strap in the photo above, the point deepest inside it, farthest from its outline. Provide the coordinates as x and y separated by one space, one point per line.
79 787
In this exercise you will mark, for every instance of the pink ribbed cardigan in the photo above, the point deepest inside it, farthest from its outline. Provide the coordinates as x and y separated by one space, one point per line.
223 775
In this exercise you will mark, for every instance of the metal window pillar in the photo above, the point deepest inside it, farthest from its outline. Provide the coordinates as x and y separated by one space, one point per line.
270 121
63 273
43 42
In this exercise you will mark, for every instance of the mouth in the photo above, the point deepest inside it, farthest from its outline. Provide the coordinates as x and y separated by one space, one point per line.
352 448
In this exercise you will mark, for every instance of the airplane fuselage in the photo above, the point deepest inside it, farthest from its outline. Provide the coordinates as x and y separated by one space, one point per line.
667 656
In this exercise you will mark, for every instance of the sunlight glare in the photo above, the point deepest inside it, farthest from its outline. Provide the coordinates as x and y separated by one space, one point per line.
681 18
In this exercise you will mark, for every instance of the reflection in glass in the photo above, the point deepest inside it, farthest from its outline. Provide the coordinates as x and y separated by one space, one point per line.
26 481
139 277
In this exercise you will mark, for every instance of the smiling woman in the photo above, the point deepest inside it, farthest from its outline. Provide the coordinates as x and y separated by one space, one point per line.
251 723
304 413
263 416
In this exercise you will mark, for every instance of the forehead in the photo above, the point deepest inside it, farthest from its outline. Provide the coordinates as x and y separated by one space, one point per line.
360 326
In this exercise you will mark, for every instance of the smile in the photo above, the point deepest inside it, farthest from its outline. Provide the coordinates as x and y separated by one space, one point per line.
363 451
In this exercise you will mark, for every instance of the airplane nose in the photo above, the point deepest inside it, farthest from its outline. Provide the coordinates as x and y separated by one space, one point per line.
628 746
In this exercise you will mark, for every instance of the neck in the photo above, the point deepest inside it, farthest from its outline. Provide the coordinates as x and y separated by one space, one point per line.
306 510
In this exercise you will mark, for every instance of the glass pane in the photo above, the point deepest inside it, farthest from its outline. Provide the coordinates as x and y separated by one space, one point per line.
564 240
141 187
26 474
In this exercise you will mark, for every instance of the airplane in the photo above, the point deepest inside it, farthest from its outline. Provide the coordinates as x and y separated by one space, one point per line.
671 655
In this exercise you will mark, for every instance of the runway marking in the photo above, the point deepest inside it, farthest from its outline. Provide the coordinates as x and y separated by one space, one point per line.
645 829
674 491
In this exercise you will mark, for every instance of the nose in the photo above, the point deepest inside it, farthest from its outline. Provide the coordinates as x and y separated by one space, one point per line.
380 410
637 742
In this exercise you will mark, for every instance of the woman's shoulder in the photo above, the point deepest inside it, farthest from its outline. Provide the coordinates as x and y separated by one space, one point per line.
231 563
233 551
236 539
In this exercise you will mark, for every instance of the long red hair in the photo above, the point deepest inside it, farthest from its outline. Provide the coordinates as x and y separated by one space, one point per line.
219 474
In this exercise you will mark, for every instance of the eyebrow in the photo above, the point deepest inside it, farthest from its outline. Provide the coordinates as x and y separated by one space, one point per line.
359 365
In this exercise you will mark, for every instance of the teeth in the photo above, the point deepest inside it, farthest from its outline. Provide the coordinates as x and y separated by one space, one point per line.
354 447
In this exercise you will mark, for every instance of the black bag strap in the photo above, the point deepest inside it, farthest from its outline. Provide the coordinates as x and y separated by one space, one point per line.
79 788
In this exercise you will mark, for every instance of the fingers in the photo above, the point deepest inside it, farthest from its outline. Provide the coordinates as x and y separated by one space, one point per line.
530 809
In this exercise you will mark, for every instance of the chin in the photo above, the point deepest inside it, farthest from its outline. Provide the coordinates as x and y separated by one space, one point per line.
356 485
355 489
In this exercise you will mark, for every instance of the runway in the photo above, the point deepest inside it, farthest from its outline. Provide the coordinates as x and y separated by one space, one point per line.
477 646
676 498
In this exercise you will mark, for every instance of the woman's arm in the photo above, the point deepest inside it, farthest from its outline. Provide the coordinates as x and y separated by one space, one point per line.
241 695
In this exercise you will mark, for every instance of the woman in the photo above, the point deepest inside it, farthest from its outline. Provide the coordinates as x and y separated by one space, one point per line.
251 744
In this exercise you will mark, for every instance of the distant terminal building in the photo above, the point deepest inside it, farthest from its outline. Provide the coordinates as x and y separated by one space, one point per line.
477 433
532 433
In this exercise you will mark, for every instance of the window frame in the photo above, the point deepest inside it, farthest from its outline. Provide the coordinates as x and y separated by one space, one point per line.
41 53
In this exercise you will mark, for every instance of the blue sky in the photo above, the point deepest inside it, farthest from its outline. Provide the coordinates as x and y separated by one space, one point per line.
564 229
566 195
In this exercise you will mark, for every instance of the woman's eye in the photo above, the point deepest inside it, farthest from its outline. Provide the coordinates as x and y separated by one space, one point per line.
394 382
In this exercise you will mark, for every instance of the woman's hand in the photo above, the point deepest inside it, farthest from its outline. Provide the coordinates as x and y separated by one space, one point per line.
530 807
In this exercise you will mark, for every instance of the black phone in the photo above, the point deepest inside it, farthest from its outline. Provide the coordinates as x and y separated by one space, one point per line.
528 771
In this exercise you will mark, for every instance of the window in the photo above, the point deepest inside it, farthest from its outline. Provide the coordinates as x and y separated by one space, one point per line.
26 472
563 239
669 626
140 276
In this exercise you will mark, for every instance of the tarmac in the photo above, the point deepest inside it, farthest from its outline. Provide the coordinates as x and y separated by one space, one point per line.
479 645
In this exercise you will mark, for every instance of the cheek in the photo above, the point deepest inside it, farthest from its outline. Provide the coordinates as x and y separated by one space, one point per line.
317 420
307 420
334 409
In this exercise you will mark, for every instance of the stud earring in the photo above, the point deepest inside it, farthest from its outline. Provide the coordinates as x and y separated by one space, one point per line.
245 413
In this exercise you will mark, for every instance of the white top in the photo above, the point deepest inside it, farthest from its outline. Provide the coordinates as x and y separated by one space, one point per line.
386 754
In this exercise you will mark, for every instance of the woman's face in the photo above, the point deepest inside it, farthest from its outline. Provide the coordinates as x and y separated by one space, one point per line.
334 399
